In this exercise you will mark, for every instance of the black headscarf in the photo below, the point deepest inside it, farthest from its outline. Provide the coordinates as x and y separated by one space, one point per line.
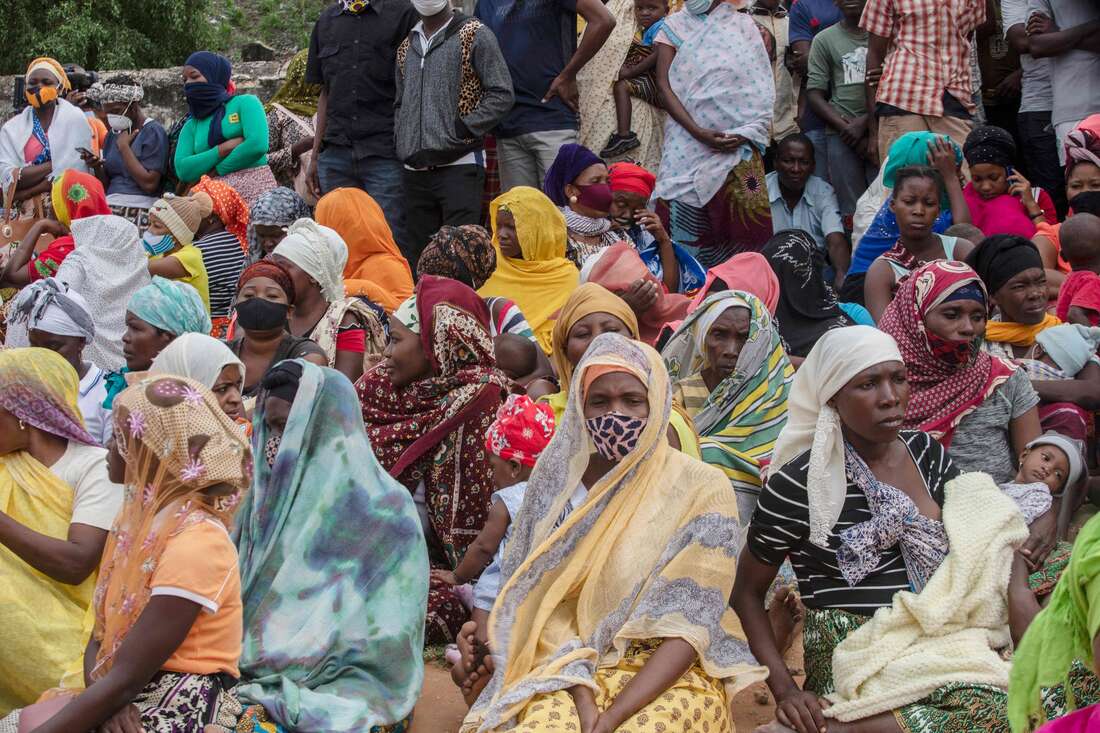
1002 257
282 380
990 144
807 304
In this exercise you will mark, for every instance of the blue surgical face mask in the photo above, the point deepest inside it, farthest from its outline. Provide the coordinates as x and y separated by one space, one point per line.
157 244
697 7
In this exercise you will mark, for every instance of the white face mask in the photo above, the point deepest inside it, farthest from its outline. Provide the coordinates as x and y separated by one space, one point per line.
429 7
119 123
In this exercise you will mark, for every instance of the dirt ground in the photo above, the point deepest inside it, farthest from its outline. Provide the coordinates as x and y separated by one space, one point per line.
440 709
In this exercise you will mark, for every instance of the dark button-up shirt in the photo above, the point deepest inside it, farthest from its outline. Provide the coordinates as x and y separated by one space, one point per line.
354 56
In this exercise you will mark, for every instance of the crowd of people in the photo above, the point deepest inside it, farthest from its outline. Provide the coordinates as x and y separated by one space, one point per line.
610 348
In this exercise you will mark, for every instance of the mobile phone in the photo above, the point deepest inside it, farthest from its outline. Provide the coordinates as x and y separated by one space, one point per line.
1009 171
85 152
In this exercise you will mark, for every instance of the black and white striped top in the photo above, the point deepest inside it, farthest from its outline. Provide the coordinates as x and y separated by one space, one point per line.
224 260
780 528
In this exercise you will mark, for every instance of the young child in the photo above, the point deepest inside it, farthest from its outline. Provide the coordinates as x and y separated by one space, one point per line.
515 440
169 240
1079 299
636 76
1048 466
1061 352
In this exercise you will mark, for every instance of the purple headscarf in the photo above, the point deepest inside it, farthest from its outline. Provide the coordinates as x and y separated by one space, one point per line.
571 161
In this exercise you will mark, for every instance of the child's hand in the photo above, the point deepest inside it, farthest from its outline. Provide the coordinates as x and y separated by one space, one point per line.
1020 187
445 576
941 156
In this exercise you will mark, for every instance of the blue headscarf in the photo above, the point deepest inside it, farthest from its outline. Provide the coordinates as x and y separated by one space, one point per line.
171 306
571 161
207 99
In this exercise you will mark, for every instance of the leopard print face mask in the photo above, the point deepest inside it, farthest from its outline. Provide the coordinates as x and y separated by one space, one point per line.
615 434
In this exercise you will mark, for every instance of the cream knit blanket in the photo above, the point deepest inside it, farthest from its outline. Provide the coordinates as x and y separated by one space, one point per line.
951 631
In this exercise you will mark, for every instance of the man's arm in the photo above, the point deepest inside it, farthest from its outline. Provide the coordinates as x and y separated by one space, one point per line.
599 24
1045 39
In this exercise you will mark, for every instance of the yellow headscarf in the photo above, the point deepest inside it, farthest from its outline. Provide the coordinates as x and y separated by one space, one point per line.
297 96
541 281
658 525
587 299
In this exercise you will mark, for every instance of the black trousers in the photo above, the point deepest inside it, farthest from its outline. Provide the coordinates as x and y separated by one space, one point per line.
434 198
1039 146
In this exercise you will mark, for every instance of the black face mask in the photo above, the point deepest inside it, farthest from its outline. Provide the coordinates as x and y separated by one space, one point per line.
257 314
1086 202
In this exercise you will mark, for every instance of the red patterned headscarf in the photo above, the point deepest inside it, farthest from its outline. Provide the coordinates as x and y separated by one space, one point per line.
942 391
228 205
521 431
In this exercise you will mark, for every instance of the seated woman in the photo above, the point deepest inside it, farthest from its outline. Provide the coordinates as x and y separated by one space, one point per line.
732 376
222 238
209 362
268 219
1082 187
843 472
44 139
426 408
1000 199
314 593
168 611
135 155
911 149
56 507
577 183
466 253
226 134
807 306
612 613
529 238
916 201
631 188
375 268
155 316
349 330
170 241
265 295
290 128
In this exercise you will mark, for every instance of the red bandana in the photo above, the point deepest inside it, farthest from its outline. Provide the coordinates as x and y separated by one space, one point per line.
521 431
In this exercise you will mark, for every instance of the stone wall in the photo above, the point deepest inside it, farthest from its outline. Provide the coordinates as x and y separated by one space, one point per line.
164 87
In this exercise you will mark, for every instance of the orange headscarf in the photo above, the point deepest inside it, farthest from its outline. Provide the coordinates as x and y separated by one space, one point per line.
228 205
375 269
75 195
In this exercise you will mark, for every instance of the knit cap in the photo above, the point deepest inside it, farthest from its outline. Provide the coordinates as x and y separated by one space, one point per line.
183 214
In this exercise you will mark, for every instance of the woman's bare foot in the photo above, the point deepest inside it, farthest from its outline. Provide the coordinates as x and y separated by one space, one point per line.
785 616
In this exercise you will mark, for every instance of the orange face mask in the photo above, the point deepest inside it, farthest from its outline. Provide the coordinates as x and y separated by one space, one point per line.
40 96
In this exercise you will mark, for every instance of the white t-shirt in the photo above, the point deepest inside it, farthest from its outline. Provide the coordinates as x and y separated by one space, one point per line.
93 391
97 500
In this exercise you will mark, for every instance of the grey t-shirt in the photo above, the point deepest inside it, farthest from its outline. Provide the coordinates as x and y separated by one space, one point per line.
1036 95
1074 75
982 441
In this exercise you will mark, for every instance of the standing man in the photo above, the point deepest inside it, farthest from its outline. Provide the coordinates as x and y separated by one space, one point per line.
1068 33
351 55
921 50
808 18
771 16
452 88
539 42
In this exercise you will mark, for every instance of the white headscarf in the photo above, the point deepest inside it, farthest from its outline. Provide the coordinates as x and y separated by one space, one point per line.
195 356
812 425
49 305
320 252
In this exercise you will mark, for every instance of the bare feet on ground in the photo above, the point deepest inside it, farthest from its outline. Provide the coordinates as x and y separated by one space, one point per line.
785 616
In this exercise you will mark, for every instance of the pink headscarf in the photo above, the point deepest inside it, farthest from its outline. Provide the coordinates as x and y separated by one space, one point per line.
749 272
618 268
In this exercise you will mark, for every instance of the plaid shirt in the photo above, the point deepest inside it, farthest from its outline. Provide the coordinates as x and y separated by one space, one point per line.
930 51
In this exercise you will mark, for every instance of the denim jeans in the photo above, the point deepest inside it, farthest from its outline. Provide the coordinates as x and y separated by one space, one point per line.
821 167
850 173
339 167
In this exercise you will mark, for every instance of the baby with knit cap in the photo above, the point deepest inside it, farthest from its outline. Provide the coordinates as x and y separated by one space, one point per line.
169 240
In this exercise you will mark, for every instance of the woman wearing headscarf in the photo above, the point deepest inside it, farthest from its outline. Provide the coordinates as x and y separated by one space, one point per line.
56 506
155 315
268 219
46 137
57 318
167 636
209 362
896 558
612 611
426 408
731 375
107 266
265 295
290 113
314 593
807 306
529 238
466 253
577 183
1000 199
349 330
226 133
375 267
716 82
73 195
222 240
1082 187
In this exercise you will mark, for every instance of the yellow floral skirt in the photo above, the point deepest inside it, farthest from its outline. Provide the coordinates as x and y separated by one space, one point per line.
695 702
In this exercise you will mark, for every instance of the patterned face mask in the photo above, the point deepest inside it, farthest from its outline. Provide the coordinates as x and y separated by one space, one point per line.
271 448
615 434
953 352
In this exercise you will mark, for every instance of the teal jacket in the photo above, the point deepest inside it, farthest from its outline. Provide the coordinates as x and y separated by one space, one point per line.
244 117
